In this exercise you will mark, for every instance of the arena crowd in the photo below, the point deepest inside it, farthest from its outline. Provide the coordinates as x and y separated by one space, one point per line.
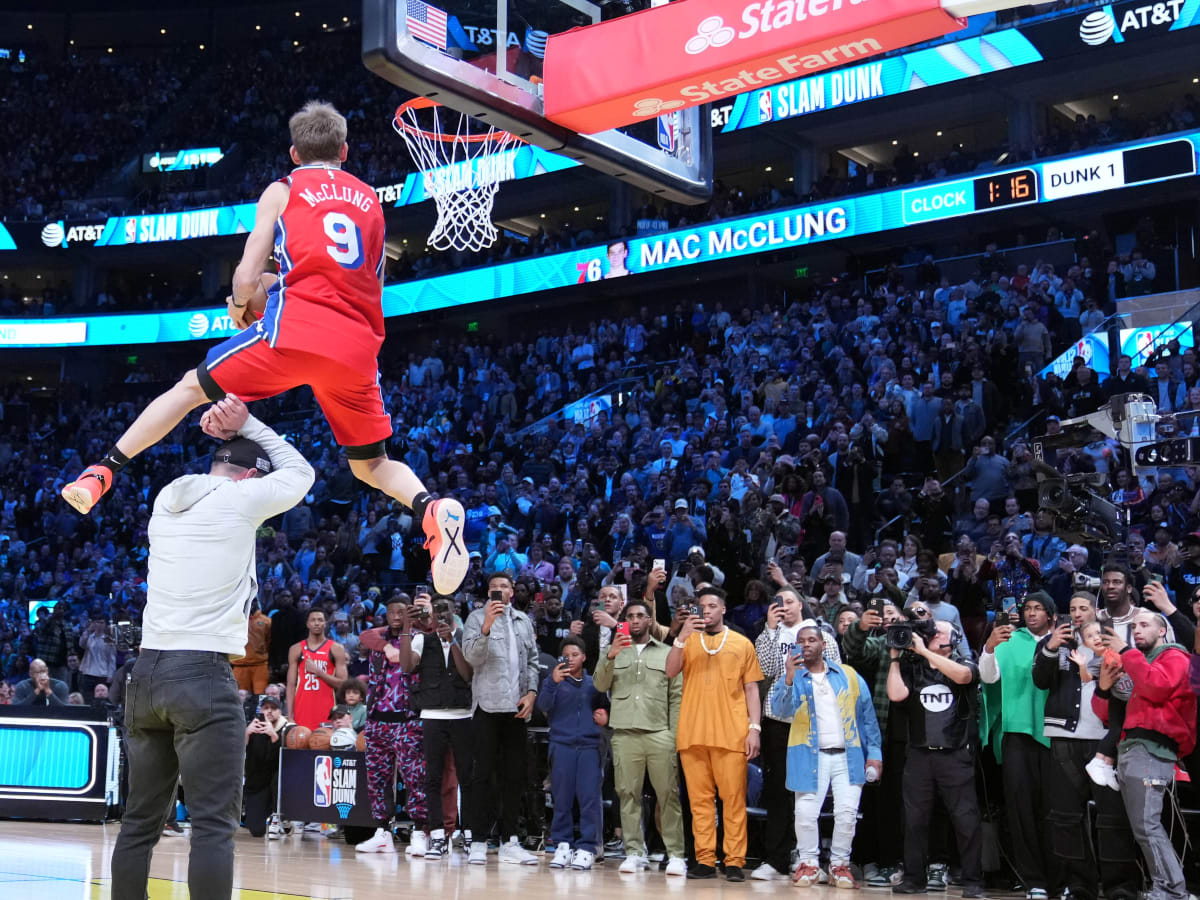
704 587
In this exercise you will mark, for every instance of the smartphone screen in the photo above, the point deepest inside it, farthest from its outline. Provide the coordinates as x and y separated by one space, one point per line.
660 564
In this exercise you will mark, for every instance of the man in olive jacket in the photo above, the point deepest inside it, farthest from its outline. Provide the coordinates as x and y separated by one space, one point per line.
645 711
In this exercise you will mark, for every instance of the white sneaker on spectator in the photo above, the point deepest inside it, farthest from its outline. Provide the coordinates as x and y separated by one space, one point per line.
314 827
274 829
677 865
767 872
417 844
478 853
382 842
562 856
633 864
514 853
583 860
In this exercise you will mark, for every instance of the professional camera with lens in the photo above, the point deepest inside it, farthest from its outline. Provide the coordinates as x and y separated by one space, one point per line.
900 634
125 635
1082 582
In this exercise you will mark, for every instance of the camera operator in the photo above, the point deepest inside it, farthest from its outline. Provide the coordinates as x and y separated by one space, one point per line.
1075 731
938 690
1014 711
182 710
262 769
1061 585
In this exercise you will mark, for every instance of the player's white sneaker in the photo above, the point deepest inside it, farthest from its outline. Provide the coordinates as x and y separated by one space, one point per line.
417 844
513 852
382 842
443 526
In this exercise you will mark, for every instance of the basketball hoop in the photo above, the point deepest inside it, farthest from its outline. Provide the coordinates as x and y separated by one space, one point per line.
461 165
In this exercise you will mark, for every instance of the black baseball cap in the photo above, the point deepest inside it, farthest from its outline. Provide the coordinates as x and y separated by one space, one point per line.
245 453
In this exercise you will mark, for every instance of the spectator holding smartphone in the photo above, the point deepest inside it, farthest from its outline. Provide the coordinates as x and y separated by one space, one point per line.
644 716
577 714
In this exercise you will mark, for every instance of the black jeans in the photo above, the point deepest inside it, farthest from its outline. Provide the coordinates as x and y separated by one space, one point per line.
949 774
436 736
1070 790
1028 773
779 831
184 719
499 754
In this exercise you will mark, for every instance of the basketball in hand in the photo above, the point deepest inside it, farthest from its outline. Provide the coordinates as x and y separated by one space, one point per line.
258 303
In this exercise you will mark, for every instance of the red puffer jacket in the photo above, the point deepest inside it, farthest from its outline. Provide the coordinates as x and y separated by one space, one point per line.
1162 698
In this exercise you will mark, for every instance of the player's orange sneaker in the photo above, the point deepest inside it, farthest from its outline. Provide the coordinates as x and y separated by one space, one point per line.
443 527
85 491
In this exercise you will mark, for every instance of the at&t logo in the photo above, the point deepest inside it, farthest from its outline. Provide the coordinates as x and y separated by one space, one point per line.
1100 26
198 325
711 32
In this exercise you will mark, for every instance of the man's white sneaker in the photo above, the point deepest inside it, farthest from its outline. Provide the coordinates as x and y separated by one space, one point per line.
275 830
417 844
514 853
382 842
633 864
677 865
767 872
562 856
583 860
478 853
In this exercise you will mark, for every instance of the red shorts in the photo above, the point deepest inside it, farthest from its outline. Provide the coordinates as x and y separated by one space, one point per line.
247 366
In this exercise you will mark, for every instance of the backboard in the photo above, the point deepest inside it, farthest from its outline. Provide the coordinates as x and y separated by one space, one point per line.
449 53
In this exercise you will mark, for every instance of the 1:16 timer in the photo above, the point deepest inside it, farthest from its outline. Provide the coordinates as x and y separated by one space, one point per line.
1008 189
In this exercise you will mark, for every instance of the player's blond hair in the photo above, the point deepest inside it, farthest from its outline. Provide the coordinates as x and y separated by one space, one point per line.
318 131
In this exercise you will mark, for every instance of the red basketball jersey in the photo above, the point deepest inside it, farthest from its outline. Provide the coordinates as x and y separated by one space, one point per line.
314 698
329 246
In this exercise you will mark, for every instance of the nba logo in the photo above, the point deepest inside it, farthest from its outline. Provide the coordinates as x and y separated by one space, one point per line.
667 130
131 230
322 781
764 106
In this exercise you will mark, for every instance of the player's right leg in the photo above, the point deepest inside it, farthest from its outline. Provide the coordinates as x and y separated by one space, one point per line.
156 421
441 520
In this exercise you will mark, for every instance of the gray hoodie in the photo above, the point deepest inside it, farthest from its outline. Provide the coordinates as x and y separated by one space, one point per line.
201 578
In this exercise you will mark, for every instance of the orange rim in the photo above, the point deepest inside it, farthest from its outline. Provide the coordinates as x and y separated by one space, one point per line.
425 103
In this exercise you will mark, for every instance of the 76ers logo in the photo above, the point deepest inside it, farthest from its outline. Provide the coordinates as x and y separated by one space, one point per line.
323 781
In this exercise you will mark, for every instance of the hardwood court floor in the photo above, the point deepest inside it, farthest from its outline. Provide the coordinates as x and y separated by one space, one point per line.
40 861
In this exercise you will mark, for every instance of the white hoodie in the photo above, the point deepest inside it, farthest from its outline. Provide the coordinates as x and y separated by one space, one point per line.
202 539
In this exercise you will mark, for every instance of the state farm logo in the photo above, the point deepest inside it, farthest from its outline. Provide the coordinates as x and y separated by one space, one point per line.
712 32
653 106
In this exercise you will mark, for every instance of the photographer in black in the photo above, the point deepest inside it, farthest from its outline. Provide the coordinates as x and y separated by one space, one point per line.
938 690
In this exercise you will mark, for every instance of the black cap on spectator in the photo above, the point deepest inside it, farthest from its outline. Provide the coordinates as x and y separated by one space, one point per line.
245 453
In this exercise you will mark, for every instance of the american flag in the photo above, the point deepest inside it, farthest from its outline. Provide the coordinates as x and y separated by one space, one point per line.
427 23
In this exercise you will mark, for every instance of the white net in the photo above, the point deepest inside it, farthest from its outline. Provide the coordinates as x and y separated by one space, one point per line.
462 163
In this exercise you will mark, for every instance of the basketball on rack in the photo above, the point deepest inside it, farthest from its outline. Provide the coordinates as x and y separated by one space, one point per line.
297 737
319 739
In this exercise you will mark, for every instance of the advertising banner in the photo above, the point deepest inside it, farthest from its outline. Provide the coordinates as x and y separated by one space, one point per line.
704 50
324 786
1129 165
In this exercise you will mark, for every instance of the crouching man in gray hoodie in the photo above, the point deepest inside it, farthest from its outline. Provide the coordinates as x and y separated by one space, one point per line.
182 711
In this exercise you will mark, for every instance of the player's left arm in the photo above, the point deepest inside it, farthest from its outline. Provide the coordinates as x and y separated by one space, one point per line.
338 654
259 243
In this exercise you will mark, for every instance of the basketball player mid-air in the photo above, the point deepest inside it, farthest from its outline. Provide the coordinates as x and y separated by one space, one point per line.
322 326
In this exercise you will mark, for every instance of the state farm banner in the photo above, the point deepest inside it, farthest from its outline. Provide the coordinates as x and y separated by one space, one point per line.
694 51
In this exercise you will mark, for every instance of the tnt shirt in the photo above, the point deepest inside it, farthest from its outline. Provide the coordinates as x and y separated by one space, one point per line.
939 712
